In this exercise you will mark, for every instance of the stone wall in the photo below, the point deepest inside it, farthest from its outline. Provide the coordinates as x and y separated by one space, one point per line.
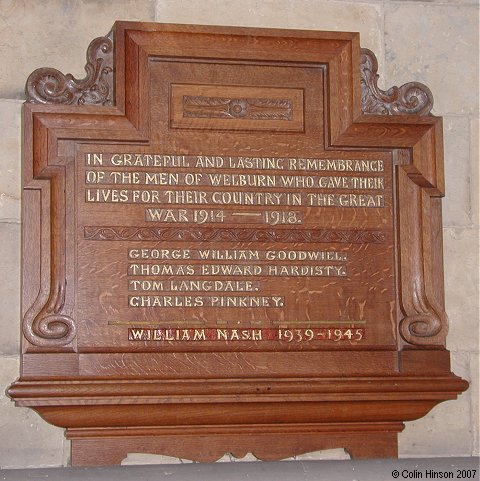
434 42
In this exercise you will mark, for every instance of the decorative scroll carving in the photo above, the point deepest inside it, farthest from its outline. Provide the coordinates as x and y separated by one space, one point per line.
49 86
46 324
410 98
49 328
425 322
237 108
423 327
232 235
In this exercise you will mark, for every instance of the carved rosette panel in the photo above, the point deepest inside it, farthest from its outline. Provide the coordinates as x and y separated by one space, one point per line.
237 108
411 98
232 235
49 86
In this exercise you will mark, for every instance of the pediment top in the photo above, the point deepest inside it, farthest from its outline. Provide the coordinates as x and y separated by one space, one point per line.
51 87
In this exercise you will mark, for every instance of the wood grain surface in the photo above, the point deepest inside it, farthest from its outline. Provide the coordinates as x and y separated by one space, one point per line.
231 243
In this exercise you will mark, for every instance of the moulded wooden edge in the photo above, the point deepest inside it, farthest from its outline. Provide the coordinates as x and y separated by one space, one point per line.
105 404
111 391
291 410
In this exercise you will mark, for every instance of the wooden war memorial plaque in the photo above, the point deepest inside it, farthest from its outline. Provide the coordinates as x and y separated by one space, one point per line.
231 243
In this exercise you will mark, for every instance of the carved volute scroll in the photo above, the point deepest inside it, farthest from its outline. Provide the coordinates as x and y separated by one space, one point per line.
49 86
49 327
410 98
425 321
427 326
45 324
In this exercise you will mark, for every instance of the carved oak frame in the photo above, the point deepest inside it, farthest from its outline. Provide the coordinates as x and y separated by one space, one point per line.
102 417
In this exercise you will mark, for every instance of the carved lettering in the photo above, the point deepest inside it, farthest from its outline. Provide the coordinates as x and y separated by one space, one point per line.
233 180
240 254
193 285
237 163
236 270
212 301
286 335
176 278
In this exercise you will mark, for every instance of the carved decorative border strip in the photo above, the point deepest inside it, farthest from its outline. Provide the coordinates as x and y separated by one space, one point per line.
237 108
113 233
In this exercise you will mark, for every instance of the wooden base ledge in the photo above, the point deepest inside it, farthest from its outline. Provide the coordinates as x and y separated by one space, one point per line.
207 443
202 420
